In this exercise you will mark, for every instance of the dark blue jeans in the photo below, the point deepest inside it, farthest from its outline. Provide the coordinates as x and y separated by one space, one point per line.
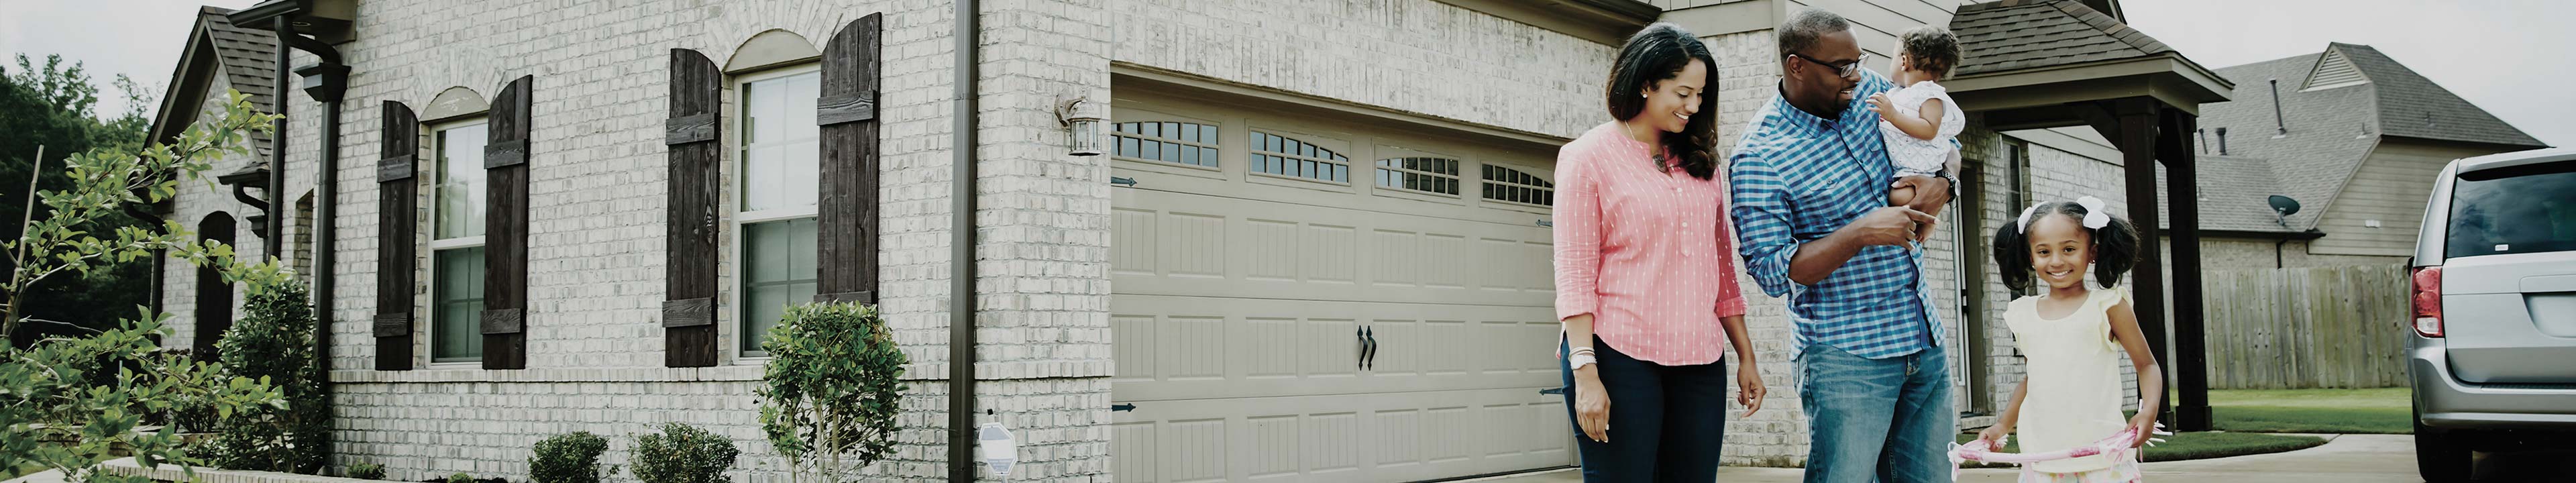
1887 420
1665 421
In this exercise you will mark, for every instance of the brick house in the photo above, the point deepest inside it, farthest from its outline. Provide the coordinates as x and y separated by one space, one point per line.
1314 245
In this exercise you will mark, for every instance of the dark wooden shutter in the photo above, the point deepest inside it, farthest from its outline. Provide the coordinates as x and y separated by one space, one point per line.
505 230
688 310
397 224
847 211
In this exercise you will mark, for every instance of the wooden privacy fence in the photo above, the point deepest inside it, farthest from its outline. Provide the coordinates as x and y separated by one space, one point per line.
2323 327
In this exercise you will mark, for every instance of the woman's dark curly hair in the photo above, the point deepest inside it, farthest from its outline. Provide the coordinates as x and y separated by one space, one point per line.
2115 246
1653 55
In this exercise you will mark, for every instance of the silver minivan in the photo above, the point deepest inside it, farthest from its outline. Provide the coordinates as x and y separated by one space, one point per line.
2493 353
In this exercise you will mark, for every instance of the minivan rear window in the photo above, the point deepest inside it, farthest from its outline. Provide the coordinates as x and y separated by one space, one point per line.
2522 209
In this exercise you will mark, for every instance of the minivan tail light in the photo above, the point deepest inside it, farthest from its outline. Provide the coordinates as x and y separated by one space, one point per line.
2428 301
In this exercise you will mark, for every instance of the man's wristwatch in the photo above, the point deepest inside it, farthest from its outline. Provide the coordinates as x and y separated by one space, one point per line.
1953 178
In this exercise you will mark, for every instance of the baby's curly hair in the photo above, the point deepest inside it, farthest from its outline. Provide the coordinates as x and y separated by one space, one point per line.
1932 48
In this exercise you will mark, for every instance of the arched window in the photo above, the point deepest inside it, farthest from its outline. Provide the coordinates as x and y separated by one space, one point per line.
1169 142
214 313
1284 156
1423 174
1515 186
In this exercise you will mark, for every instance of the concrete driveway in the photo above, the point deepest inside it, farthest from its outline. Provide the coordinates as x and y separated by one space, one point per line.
2355 458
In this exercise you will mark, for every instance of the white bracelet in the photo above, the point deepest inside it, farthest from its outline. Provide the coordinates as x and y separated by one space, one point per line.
1579 359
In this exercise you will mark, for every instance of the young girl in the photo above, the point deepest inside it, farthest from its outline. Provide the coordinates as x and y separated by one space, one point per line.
2072 337
1918 119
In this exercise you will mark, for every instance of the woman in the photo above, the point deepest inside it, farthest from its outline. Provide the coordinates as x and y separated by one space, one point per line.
1645 271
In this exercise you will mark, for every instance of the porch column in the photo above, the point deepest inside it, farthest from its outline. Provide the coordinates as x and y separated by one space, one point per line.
2189 365
2136 121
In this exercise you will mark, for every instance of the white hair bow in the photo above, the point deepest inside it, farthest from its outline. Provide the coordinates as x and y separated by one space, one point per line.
2095 215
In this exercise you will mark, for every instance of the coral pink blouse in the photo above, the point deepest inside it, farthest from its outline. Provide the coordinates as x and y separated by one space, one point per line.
1651 255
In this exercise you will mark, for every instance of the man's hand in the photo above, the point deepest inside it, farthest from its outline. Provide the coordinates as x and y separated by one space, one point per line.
1929 191
1892 226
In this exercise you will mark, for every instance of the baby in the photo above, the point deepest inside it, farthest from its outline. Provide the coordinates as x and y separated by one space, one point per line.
1918 119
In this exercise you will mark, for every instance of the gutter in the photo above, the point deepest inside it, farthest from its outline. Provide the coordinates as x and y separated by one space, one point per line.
961 251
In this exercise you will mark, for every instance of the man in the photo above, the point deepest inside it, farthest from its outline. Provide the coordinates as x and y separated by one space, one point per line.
1810 181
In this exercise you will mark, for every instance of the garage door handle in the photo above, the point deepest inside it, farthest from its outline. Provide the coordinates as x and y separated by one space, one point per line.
1121 407
1545 223
1553 391
1368 357
1113 180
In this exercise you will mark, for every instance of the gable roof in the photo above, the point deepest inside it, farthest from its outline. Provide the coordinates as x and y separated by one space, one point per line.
2413 106
246 60
2328 123
1995 37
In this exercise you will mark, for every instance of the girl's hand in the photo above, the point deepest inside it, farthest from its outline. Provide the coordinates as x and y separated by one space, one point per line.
1994 436
2145 425
1591 404
1749 389
1878 103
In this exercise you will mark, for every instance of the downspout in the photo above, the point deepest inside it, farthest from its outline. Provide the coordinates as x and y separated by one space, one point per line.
961 253
326 82
273 227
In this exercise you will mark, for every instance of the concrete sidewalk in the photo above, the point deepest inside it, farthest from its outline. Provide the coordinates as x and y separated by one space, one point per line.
2364 458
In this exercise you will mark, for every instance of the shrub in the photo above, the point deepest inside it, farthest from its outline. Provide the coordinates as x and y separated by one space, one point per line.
683 454
366 471
55 417
568 458
832 389
460 478
274 342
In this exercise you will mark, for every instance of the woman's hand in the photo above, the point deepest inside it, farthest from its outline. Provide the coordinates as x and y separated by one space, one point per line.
1591 404
2145 425
1749 390
1994 436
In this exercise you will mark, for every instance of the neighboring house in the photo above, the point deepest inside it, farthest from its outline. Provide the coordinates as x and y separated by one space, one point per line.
1315 248
2350 134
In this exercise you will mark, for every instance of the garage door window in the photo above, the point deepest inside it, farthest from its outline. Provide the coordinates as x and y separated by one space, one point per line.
1426 175
1516 186
1168 142
1280 155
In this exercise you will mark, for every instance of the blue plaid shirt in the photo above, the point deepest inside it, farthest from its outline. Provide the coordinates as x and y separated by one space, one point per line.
1797 178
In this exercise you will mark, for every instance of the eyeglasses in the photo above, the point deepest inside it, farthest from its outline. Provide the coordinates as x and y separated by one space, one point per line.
1848 69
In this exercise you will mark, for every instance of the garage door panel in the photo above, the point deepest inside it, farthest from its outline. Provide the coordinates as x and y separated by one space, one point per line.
1374 437
1286 249
1470 208
1199 348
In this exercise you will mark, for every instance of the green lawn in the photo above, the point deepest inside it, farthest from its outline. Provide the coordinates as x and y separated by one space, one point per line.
2381 411
2192 446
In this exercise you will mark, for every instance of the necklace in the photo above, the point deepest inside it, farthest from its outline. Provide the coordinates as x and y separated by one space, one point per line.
1651 148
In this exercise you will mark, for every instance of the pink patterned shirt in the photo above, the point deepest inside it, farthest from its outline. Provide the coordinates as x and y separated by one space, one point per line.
1651 255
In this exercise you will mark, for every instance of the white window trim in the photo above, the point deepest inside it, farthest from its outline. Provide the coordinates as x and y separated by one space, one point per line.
430 265
1115 135
730 302
1254 148
1533 173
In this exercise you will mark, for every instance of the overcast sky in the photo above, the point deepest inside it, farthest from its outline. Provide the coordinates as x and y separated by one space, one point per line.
2511 57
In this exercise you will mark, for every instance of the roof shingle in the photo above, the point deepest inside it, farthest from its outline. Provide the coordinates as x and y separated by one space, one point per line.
1994 37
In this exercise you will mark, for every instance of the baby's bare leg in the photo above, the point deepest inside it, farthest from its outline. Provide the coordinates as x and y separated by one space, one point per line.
1900 196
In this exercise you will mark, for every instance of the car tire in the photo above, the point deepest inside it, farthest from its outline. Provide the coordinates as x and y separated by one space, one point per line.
2441 456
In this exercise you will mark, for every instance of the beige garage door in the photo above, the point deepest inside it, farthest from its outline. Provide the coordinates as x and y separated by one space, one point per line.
1288 307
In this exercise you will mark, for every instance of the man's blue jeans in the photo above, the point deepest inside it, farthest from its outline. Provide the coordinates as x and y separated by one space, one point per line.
1888 419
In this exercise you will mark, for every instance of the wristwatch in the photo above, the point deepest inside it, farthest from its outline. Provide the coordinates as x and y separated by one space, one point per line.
1953 178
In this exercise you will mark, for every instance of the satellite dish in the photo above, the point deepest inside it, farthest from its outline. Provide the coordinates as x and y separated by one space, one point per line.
2284 205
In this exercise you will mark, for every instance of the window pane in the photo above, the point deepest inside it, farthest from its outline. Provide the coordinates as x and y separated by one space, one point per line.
459 206
456 306
1207 134
780 164
778 271
2529 209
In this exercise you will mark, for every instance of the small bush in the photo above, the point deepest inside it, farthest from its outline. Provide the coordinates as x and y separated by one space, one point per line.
568 458
832 389
366 471
460 478
274 343
683 454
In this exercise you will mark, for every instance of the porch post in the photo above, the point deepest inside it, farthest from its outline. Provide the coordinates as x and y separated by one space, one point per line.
2189 365
2137 122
